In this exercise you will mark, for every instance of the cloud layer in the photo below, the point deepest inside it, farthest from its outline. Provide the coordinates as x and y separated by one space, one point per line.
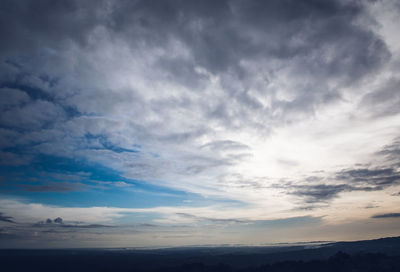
289 108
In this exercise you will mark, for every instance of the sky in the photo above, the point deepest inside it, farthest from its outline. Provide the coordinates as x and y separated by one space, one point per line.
173 123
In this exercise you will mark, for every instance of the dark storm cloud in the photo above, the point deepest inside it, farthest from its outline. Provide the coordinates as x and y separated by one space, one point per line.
301 33
5 218
387 215
34 25
217 32
311 37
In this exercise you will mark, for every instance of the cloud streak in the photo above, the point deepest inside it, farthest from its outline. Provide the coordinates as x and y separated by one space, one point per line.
5 218
386 215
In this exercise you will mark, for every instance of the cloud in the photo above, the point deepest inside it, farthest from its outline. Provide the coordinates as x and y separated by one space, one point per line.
214 220
69 226
379 177
392 150
61 187
12 159
82 226
120 184
59 223
383 101
316 189
320 192
34 212
225 145
232 100
229 70
386 215
5 218
28 32
12 97
5 235
248 35
32 115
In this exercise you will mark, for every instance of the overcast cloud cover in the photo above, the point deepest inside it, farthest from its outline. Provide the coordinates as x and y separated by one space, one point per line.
148 123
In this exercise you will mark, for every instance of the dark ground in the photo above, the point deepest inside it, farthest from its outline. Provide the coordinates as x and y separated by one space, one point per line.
372 255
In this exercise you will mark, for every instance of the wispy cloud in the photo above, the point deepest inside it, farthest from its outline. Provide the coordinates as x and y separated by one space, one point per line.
5 218
54 187
387 215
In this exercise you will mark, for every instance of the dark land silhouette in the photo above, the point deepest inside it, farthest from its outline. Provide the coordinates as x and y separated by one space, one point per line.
371 255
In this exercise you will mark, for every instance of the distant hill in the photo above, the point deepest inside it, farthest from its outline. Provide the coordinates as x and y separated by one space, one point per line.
370 255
